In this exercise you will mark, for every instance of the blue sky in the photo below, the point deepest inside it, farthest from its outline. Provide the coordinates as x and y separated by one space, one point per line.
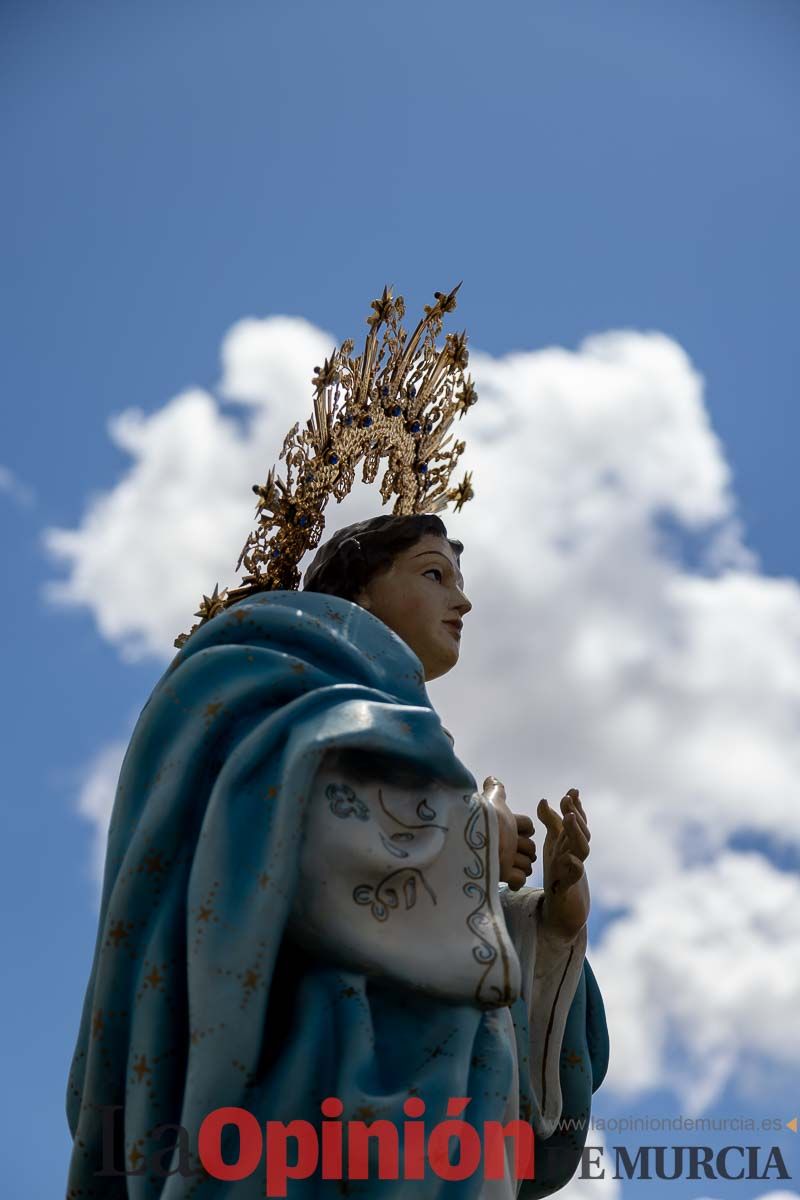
172 168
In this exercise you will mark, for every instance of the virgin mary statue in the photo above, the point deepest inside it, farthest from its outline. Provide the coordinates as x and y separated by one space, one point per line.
310 910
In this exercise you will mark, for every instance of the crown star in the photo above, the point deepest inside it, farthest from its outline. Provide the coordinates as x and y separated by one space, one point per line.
462 493
211 605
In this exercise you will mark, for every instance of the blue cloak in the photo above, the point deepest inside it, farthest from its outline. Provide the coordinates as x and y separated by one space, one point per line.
196 999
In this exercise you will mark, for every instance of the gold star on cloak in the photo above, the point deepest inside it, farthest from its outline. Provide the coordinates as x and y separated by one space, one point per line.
141 1068
153 863
154 978
250 980
118 932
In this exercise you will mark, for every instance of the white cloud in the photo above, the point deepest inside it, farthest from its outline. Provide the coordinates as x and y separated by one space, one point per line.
697 982
96 800
19 492
670 696
669 693
778 1194
146 550
269 364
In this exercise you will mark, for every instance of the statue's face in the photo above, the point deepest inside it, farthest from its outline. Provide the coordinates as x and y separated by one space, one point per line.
421 598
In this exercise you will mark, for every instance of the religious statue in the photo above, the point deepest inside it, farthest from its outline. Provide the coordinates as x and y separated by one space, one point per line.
311 917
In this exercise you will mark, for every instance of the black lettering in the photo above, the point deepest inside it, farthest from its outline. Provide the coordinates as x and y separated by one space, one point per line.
722 1166
621 1152
677 1162
113 1145
587 1162
779 1164
159 1160
700 1156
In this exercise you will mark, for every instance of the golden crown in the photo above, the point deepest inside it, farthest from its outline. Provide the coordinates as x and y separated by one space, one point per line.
397 401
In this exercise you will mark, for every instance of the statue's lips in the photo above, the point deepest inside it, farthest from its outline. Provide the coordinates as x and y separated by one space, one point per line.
454 627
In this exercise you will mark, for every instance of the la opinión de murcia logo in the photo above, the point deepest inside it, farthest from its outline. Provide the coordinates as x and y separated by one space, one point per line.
322 1150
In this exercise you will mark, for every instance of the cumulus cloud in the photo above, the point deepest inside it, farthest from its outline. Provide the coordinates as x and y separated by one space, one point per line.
669 694
665 685
777 1194
695 981
268 364
96 800
146 550
10 486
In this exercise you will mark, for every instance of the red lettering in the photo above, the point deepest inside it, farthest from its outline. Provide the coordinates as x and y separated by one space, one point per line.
278 1169
209 1146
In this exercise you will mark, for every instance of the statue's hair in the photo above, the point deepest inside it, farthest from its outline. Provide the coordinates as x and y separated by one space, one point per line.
348 560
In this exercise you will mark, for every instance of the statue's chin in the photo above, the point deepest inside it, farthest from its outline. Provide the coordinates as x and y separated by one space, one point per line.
439 664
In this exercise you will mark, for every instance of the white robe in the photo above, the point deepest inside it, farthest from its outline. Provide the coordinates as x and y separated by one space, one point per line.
402 882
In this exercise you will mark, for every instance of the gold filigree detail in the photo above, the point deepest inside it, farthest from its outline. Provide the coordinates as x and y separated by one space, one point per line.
394 404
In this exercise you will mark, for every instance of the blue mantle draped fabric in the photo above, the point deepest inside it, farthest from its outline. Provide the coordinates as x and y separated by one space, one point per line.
301 901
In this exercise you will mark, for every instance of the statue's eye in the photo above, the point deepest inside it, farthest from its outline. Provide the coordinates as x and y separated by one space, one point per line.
434 571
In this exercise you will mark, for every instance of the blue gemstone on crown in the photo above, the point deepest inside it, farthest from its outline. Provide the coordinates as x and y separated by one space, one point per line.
303 521
384 391
367 422
412 391
422 468
333 459
396 410
415 427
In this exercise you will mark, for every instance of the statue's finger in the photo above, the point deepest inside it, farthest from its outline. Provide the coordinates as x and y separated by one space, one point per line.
527 847
582 824
493 790
524 824
579 804
516 879
569 807
522 863
574 795
549 817
566 803
578 843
